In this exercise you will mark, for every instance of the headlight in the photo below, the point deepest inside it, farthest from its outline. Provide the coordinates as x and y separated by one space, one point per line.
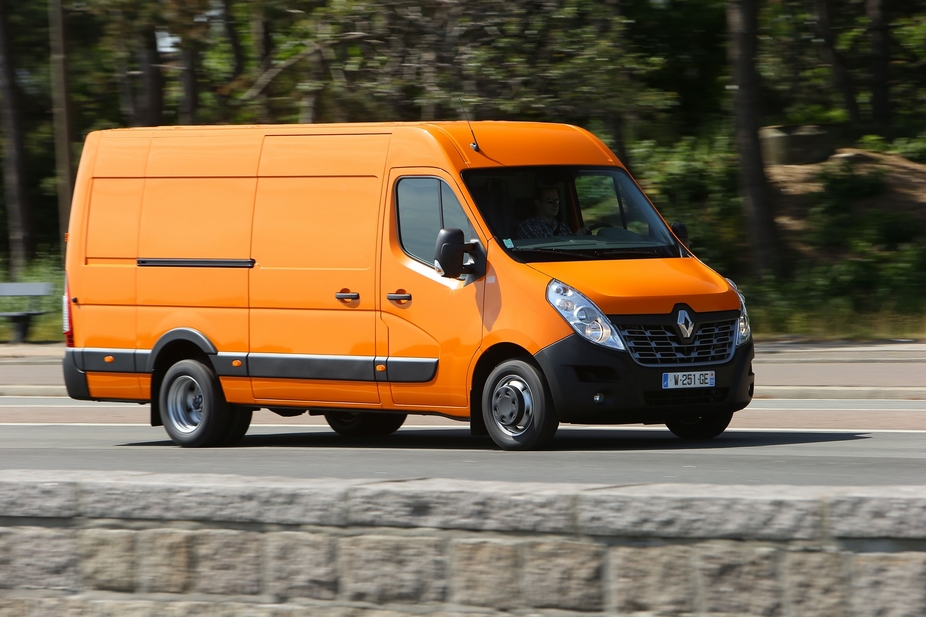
582 314
743 331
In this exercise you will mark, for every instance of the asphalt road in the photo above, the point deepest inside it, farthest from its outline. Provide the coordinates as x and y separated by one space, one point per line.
843 453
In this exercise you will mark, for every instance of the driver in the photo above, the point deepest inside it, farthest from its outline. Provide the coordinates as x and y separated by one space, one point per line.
544 223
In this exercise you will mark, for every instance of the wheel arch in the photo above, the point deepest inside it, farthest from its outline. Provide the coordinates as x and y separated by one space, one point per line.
173 346
490 358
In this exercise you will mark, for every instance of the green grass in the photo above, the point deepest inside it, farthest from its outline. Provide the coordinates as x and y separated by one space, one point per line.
825 325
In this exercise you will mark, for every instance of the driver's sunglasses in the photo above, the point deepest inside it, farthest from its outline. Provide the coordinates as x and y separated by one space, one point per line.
552 200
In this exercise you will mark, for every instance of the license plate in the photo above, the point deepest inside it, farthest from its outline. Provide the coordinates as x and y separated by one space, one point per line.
699 379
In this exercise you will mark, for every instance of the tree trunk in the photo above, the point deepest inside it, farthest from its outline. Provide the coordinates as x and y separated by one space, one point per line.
616 124
263 47
64 132
742 22
880 58
231 31
19 221
152 82
189 103
841 75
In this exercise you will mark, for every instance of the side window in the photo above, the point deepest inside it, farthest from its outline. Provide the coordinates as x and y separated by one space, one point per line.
425 205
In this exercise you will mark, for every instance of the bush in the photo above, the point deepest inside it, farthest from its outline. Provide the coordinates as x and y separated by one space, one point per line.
913 149
695 182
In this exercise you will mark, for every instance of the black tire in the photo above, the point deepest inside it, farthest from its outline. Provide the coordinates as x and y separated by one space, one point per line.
238 425
517 407
364 424
703 428
193 407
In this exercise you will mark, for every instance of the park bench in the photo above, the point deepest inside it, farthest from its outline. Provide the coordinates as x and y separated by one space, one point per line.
21 320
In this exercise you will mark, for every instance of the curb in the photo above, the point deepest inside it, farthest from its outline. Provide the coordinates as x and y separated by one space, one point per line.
18 390
840 392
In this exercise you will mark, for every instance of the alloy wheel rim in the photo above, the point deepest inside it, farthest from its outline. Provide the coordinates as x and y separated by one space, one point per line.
185 404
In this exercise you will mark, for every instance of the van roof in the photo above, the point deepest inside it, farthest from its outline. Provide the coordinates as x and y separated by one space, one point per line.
500 143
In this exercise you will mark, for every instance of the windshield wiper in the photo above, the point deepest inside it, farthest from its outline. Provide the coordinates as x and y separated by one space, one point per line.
657 252
552 251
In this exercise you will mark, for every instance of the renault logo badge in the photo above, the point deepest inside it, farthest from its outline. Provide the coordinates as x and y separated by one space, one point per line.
685 324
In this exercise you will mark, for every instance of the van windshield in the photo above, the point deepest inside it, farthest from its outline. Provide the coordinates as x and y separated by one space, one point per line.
569 213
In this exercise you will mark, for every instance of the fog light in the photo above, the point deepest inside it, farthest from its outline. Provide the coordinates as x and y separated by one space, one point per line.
598 398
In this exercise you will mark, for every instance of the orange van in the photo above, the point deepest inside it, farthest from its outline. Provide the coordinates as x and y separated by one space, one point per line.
512 275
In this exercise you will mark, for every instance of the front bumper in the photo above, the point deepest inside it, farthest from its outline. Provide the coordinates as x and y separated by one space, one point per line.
578 370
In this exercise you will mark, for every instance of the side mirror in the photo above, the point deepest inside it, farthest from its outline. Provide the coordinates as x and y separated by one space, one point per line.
448 253
681 232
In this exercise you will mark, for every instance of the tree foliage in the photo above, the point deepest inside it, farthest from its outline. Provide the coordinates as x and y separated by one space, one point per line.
649 76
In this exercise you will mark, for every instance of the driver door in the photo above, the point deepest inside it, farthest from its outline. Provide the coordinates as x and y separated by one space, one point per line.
434 324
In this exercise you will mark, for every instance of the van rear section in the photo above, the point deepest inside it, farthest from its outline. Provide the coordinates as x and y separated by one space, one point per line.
367 272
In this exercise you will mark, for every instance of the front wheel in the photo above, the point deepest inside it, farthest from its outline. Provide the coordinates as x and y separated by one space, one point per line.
192 405
364 424
703 428
516 407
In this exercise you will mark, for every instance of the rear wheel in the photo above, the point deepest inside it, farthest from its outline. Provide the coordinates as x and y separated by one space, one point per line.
364 424
516 407
192 405
703 428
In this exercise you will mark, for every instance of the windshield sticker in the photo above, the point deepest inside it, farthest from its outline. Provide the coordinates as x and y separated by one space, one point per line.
508 243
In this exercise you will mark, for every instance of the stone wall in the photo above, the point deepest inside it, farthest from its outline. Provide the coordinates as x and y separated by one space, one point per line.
127 545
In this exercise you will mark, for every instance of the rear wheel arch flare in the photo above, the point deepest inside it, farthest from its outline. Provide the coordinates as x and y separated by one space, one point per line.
189 335
165 356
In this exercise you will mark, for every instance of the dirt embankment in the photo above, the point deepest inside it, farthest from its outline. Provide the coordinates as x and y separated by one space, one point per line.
796 186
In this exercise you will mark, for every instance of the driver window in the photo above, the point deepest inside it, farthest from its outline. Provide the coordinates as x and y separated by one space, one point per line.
425 205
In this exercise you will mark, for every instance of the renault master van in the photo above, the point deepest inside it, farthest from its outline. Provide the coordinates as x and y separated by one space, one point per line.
512 275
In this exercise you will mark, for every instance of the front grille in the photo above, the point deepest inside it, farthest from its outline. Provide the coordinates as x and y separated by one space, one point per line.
694 396
660 345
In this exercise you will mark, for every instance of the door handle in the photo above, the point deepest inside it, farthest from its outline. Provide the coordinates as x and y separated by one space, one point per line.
347 295
399 297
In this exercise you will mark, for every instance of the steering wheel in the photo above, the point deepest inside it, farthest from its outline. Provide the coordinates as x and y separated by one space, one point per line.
592 228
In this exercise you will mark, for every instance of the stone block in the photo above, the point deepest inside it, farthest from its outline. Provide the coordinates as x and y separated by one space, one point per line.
460 504
563 575
702 511
14 607
227 562
61 607
130 608
164 560
39 495
656 579
878 512
741 579
888 585
44 558
302 565
215 498
108 559
817 583
485 573
384 569
191 609
6 558
242 610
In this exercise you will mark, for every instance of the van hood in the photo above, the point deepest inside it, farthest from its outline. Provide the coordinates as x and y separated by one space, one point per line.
645 286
